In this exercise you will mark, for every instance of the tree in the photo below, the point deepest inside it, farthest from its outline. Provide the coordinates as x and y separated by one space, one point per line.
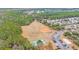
67 34
39 42
18 17
10 33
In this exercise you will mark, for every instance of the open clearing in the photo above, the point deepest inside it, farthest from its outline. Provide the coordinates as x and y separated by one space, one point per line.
37 30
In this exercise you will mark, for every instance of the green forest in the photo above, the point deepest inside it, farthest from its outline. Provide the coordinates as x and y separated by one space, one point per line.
10 31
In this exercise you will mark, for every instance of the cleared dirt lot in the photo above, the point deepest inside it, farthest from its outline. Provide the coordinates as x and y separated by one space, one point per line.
37 30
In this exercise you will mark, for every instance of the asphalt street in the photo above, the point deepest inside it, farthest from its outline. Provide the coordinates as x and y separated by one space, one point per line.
59 43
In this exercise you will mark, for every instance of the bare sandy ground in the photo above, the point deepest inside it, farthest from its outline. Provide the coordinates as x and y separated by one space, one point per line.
71 43
37 30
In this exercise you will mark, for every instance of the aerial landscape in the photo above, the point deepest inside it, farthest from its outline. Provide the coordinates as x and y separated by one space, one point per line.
39 28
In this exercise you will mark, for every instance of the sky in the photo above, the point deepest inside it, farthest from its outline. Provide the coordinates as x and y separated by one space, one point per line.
38 3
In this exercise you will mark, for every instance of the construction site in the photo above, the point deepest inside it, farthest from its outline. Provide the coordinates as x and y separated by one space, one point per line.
45 38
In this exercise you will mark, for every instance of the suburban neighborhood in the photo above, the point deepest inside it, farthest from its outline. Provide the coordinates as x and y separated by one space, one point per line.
69 23
39 29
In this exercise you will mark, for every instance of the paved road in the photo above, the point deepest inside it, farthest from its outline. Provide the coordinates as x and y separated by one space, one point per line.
59 43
